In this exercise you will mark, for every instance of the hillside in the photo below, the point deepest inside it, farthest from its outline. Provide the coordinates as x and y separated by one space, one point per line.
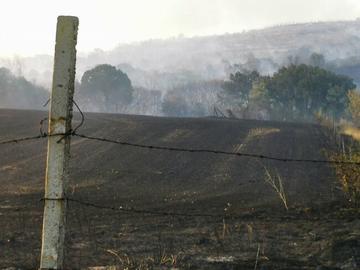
227 174
336 40
153 63
251 214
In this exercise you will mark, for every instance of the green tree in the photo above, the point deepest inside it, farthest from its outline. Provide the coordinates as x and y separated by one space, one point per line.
299 91
237 89
106 86
295 92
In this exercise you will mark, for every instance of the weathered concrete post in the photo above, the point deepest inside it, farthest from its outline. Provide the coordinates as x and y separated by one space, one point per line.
52 250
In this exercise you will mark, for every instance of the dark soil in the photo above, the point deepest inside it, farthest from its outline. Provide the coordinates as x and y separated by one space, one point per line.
252 229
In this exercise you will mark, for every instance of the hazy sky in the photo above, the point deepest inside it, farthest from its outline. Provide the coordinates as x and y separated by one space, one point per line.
27 27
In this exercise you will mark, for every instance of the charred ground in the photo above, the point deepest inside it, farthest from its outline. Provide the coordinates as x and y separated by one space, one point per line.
252 223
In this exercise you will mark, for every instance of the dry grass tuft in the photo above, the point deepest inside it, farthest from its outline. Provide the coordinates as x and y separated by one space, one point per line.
276 182
162 259
260 132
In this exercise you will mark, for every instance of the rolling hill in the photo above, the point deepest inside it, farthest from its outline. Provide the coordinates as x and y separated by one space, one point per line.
315 231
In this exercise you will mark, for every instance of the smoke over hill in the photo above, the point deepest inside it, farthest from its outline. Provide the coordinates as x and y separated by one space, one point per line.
190 69
159 64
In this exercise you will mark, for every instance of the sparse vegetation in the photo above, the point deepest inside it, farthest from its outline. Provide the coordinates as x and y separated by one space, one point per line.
127 262
346 139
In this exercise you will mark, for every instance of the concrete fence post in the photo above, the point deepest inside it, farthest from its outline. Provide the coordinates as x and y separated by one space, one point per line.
60 115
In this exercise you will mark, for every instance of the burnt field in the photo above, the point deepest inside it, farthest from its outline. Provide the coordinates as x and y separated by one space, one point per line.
187 210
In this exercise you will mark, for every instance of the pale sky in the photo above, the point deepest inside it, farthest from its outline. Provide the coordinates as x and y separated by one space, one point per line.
27 27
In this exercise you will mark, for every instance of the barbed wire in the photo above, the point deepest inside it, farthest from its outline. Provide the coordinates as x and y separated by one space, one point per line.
139 211
225 215
176 149
82 117
73 132
212 151
23 139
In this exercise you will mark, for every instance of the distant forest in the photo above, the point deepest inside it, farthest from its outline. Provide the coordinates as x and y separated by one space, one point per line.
18 93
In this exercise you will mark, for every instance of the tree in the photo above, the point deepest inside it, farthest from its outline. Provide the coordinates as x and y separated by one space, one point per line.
106 87
295 92
299 91
18 93
237 89
259 103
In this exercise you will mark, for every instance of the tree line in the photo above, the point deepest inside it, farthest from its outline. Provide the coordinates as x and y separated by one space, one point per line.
18 93
294 92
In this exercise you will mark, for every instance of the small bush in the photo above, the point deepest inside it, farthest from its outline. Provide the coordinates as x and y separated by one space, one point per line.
348 175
